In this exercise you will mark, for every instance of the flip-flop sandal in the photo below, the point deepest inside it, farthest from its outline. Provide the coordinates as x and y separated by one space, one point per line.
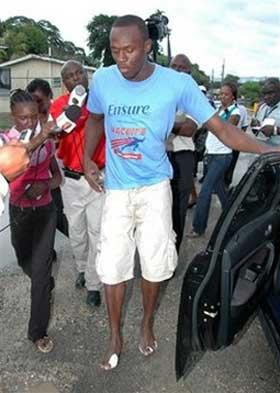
112 362
44 344
149 349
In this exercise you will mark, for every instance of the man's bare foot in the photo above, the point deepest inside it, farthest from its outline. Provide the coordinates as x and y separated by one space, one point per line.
148 344
112 356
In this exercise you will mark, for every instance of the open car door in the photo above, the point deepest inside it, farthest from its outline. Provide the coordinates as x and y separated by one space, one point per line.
225 286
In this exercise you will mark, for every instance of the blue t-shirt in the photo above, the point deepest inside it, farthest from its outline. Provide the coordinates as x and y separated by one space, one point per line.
138 119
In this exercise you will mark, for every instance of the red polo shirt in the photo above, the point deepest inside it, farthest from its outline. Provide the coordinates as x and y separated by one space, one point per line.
71 146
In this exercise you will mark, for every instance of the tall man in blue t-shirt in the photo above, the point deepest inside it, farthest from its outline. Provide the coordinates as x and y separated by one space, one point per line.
137 101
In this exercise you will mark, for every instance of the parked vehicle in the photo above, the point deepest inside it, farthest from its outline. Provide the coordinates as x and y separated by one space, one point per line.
237 277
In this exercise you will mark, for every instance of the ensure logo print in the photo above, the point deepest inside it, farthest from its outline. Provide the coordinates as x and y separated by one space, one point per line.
127 148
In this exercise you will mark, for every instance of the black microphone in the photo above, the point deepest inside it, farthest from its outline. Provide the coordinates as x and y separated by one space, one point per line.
67 120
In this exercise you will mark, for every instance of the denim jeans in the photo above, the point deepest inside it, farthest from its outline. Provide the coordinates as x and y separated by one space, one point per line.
217 164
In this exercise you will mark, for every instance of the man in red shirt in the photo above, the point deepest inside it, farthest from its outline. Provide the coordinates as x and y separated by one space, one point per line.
82 205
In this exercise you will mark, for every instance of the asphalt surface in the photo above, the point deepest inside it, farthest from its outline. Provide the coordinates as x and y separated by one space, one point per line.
80 334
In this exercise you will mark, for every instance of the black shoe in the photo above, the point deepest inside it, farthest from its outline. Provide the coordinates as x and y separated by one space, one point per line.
93 298
80 281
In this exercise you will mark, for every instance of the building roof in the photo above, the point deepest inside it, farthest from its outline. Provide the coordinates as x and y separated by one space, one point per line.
38 57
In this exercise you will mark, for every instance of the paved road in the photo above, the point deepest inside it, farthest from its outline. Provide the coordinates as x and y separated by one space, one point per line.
80 335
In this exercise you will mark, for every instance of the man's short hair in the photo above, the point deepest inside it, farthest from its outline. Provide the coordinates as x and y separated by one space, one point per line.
274 82
41 85
185 60
132 20
67 64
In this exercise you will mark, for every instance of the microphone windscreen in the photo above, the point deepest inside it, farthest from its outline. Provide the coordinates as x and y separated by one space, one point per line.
73 112
80 90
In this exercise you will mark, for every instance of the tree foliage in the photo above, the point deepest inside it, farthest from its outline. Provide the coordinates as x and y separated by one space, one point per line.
251 91
231 78
199 76
20 36
99 39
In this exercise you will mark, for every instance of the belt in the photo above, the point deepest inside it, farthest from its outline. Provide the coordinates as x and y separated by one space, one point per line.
72 174
181 151
171 154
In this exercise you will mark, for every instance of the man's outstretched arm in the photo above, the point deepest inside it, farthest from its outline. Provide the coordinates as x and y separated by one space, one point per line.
234 138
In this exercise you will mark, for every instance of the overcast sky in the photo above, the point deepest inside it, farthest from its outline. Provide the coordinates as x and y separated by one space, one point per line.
244 33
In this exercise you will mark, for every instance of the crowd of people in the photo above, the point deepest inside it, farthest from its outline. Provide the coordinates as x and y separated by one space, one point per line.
139 127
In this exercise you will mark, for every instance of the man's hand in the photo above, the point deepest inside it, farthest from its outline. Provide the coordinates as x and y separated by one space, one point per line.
187 127
37 189
14 160
267 130
255 123
93 175
48 129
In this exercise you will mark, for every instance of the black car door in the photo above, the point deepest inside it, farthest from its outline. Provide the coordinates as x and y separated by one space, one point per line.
225 286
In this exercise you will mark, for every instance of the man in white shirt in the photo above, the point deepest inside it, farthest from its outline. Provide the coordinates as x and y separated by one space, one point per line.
267 118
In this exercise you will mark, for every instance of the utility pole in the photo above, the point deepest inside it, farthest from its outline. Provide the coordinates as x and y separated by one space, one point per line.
169 55
223 72
212 80
50 64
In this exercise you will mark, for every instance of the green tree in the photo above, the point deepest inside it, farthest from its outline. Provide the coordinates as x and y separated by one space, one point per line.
199 76
98 40
251 91
3 46
52 33
15 23
16 44
231 78
35 40
162 59
20 35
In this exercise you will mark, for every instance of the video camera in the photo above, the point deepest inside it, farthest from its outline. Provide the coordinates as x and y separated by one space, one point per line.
157 27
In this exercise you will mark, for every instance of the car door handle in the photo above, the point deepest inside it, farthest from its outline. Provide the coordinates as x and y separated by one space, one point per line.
210 314
268 230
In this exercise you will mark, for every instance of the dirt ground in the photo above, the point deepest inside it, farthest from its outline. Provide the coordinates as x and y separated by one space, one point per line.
80 334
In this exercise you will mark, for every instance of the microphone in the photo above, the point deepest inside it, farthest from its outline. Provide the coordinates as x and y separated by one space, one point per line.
78 96
67 120
26 135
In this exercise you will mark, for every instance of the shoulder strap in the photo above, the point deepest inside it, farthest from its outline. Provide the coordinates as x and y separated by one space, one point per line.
227 113
269 111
